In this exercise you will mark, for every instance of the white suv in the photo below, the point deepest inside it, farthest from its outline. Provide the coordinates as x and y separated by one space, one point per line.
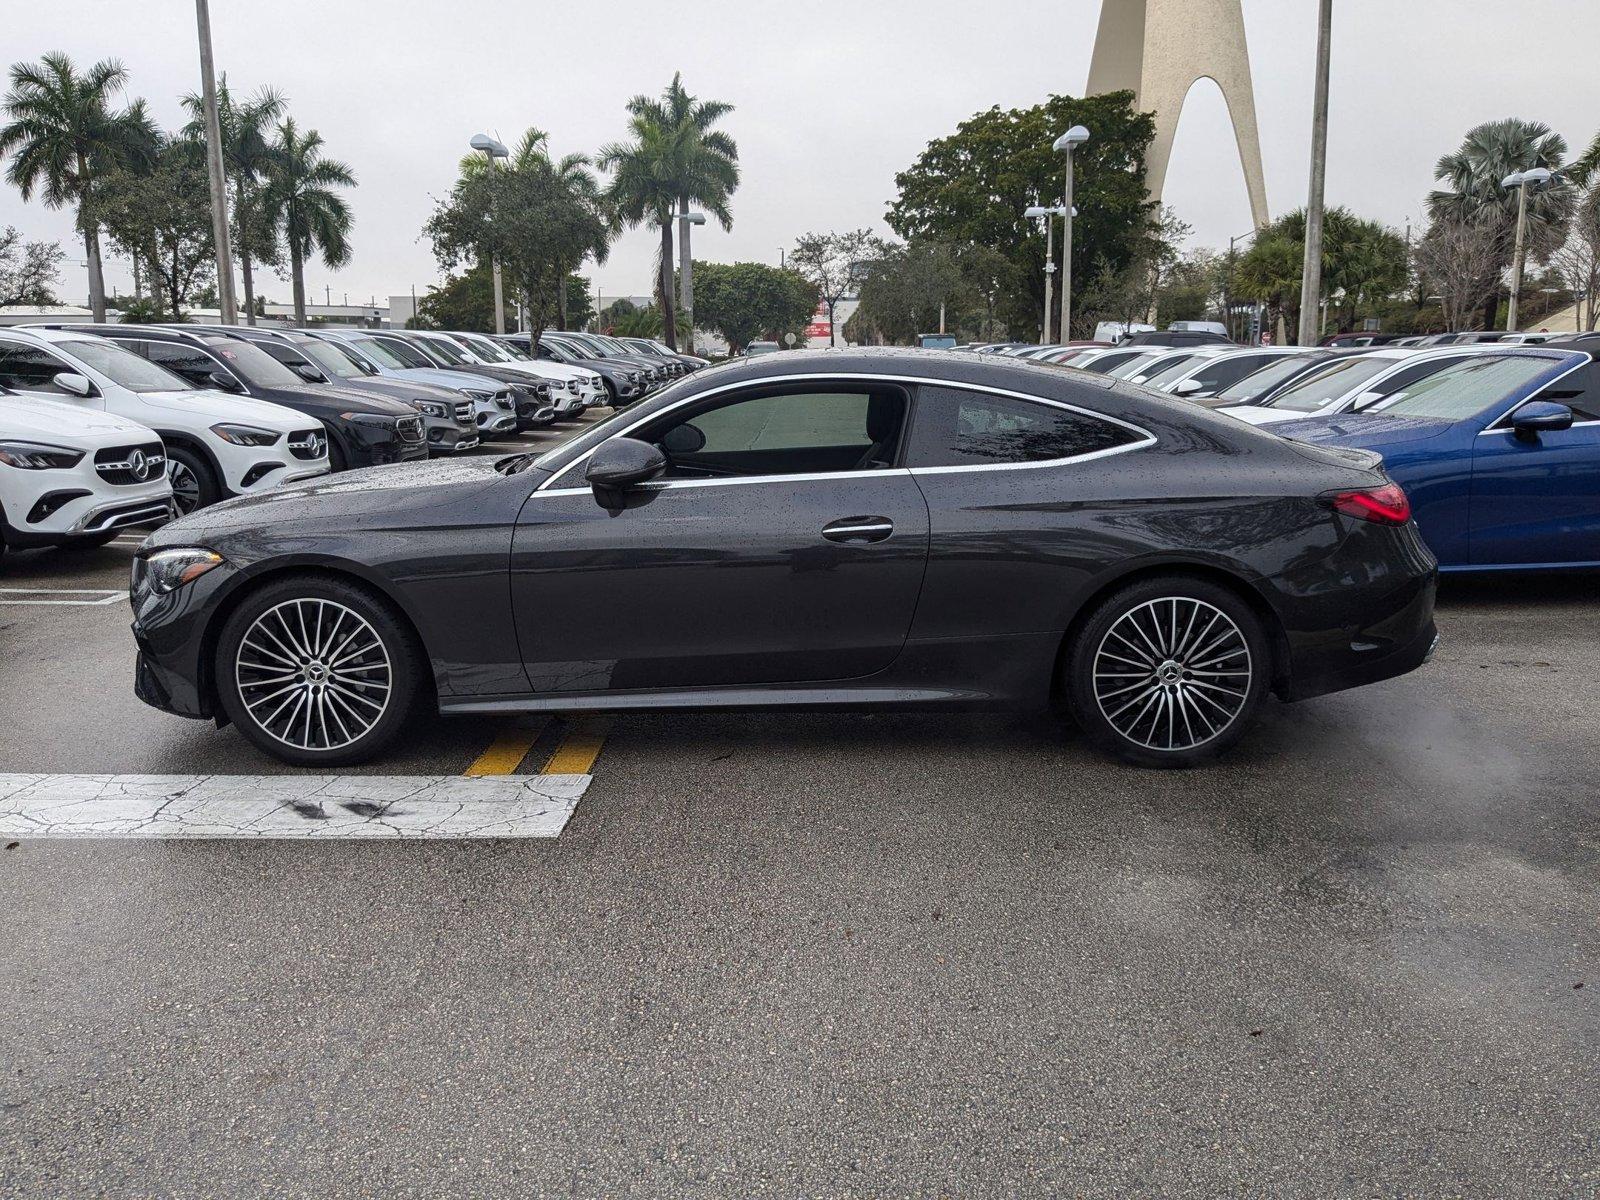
217 445
75 478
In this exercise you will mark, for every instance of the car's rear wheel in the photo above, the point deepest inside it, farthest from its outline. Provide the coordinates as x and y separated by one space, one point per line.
317 671
1168 672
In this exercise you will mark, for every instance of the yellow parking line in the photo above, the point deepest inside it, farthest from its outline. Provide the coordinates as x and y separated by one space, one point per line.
506 752
580 747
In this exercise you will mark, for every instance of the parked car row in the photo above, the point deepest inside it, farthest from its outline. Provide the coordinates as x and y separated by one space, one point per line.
1496 443
198 414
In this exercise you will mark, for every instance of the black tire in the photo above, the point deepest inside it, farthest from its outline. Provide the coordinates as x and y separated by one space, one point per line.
206 489
334 699
1168 671
338 460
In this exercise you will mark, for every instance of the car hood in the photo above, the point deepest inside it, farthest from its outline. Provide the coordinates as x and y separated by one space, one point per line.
387 496
403 390
359 401
27 417
217 405
456 381
1368 431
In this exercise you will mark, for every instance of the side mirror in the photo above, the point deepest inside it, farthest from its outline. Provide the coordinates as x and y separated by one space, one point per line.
310 373
1540 416
1186 387
221 379
78 385
620 464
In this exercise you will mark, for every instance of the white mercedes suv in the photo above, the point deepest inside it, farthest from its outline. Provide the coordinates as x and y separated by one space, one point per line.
217 444
70 478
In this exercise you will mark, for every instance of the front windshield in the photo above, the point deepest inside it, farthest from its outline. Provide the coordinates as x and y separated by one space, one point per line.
380 353
122 366
1467 388
557 351
1169 369
1321 388
447 350
1135 365
1258 383
255 364
487 349
408 354
332 362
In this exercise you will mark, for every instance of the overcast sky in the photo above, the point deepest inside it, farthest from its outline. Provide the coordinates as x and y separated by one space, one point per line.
831 98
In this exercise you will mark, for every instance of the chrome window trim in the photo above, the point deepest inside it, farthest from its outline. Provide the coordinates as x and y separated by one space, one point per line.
1147 438
1501 423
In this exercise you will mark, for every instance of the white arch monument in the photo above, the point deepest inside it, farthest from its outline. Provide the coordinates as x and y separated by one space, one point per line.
1158 50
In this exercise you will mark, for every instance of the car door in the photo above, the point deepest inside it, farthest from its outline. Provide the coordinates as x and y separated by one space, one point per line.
1537 499
785 544
32 370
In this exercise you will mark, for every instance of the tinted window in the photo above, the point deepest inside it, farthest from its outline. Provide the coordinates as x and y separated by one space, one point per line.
191 362
30 369
958 428
1259 383
122 366
445 349
1168 369
785 433
380 353
255 364
1218 373
408 354
1579 391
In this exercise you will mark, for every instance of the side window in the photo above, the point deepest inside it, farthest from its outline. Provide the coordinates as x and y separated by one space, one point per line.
1579 391
193 364
953 428
785 433
30 369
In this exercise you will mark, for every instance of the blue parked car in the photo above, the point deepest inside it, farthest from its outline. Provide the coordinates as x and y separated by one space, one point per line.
1499 455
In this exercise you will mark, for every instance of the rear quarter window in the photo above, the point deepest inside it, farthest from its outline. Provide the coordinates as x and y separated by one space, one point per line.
955 427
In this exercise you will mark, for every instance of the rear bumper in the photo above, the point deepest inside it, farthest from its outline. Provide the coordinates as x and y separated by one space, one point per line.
1371 666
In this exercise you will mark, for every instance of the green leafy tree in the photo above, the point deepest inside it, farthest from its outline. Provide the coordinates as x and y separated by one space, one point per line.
675 160
464 301
162 214
1472 197
573 172
970 189
29 271
746 301
623 319
526 216
1363 265
301 198
247 149
905 289
62 135
580 305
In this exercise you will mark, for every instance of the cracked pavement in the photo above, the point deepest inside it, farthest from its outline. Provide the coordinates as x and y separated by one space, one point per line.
830 955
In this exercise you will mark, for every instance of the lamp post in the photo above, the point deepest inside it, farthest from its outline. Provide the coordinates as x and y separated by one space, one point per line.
1066 144
1049 212
494 150
1536 177
219 187
686 271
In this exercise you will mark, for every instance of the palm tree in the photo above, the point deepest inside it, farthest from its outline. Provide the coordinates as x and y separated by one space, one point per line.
62 135
675 159
246 149
1473 195
299 195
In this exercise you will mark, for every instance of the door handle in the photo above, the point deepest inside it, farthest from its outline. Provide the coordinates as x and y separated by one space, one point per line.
858 529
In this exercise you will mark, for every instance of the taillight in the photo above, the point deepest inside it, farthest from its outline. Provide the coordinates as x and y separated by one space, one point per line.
1386 505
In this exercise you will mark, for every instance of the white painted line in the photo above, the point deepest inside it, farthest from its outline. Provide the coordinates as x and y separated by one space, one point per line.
287 806
22 595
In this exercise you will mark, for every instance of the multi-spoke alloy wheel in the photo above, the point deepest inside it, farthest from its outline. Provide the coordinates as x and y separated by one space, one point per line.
313 674
1172 674
185 487
318 671
1168 671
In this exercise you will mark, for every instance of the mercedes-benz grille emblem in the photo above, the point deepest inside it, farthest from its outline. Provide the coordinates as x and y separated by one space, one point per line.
139 464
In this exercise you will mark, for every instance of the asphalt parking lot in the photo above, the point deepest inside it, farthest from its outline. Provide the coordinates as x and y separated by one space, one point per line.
830 955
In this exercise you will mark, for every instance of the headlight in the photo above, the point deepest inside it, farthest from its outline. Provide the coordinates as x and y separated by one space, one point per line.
168 570
434 408
368 419
245 435
29 456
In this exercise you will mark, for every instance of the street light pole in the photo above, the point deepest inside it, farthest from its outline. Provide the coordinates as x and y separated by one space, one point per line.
219 186
1311 274
1049 213
495 150
1067 143
686 271
1521 180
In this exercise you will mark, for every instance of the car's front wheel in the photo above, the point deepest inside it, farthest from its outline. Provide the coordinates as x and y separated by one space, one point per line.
1168 672
317 672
